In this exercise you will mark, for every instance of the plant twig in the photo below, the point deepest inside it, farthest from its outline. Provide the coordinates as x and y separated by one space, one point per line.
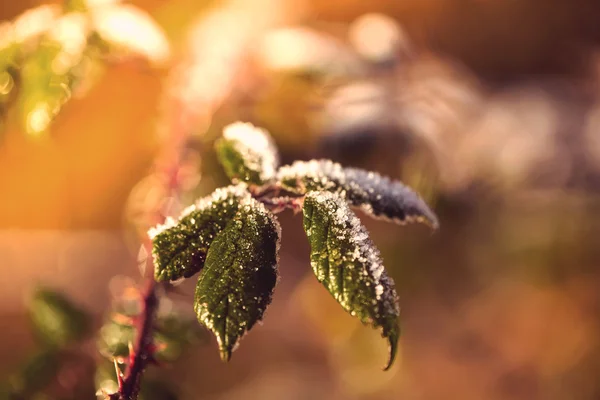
142 350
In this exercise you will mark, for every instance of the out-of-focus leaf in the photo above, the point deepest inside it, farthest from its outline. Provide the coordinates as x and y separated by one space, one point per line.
180 247
75 5
130 30
34 375
237 282
56 320
105 378
8 45
247 153
151 389
157 390
43 92
377 195
114 339
348 264
172 334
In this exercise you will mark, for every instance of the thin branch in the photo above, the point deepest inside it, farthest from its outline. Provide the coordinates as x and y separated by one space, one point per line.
142 351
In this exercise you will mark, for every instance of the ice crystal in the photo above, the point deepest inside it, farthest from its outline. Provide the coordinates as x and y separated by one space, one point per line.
347 263
239 276
180 246
248 153
376 195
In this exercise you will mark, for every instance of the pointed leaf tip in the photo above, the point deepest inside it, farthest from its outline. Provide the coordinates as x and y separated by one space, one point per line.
225 354
348 264
393 338
239 276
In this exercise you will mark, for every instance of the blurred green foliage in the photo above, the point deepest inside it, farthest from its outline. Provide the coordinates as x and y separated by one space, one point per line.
56 320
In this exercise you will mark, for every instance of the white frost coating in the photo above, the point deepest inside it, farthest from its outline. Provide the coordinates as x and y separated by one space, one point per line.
314 169
346 223
258 207
235 191
158 229
361 189
256 147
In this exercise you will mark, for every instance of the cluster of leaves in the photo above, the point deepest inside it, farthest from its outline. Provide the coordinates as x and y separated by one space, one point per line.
49 52
232 237
58 325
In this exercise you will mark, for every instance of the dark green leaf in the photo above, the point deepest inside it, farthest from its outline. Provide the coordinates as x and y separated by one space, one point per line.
348 264
238 279
180 247
247 153
377 195
35 374
157 390
57 321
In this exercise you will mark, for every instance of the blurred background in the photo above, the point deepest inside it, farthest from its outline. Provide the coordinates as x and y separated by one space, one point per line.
488 108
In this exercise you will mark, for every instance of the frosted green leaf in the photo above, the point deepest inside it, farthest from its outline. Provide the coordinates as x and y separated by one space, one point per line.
247 153
377 195
239 276
179 247
348 264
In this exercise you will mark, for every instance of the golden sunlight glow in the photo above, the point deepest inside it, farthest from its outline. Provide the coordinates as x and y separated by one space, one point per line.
298 49
6 83
132 29
71 32
100 3
38 119
7 34
33 23
376 37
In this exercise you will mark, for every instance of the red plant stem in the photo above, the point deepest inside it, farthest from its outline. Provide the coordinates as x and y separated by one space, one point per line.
141 353
142 349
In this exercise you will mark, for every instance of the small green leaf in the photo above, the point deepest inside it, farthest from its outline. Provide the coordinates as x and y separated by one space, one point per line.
57 321
238 279
348 264
35 374
377 195
247 153
179 247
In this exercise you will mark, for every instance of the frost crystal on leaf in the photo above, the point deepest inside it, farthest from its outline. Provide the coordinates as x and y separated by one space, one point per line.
180 246
247 153
237 282
348 264
377 195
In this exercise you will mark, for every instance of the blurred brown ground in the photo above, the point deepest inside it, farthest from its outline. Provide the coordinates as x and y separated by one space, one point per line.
499 129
